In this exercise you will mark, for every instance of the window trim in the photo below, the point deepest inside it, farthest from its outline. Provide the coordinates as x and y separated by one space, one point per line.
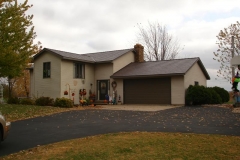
196 83
46 69
81 67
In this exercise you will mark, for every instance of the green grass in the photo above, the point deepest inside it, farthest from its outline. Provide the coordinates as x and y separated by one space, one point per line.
18 112
118 146
137 146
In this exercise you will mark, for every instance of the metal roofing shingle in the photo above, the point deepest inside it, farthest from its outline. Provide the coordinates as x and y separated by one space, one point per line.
159 68
97 57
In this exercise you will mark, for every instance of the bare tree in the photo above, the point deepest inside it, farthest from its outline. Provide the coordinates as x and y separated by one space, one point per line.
158 43
224 53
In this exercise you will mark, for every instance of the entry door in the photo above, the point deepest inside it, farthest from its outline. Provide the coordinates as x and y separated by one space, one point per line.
103 89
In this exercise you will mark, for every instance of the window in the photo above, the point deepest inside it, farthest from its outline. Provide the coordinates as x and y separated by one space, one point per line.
46 69
79 70
196 83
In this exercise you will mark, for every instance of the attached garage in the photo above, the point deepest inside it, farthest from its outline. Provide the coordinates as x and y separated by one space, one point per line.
159 82
147 91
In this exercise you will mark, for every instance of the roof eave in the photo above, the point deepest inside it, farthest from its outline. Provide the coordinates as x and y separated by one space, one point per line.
45 50
203 69
74 59
198 60
29 68
104 61
147 76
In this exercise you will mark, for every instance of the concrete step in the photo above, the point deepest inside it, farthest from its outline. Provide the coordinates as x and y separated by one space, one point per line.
100 102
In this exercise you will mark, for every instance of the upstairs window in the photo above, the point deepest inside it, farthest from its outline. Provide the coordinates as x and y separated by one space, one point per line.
46 69
196 83
79 70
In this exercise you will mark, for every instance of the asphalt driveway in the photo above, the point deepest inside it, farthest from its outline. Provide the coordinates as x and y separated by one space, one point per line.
30 133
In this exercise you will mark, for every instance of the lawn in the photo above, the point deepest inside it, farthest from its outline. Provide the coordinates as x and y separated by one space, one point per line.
18 112
132 145
138 145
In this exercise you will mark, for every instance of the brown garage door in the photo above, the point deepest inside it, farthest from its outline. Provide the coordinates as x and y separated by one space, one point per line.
147 91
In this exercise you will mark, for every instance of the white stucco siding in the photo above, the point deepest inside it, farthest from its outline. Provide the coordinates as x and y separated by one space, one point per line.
194 74
123 61
177 90
73 85
47 87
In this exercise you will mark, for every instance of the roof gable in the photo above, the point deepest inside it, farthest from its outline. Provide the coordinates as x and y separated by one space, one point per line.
159 68
98 57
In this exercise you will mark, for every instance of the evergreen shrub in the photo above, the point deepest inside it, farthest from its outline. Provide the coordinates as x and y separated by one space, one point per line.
27 101
63 102
44 101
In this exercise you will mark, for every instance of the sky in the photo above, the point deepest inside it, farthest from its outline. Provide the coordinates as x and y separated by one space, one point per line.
87 26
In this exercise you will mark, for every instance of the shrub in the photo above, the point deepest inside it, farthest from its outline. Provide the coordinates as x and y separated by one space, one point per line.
63 102
197 95
44 101
223 93
215 98
13 100
27 101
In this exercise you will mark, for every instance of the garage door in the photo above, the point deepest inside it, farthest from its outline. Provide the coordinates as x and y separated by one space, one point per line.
147 91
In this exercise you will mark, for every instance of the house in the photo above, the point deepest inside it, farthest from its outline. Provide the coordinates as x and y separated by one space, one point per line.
120 73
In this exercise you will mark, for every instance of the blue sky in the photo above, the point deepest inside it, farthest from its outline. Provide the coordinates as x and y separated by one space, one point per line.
85 26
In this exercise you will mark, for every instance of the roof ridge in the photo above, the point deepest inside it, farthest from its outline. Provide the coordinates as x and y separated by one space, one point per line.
61 51
88 53
105 56
181 58
173 59
108 51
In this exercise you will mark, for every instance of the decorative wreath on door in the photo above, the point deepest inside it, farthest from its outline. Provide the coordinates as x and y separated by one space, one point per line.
114 84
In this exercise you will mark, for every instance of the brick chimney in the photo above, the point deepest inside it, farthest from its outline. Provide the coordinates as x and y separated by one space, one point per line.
138 53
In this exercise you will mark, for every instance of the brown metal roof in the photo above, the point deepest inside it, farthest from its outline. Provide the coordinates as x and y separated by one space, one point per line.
98 57
159 68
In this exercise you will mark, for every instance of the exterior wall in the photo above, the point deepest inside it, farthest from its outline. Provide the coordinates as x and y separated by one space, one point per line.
47 87
31 91
123 61
103 71
119 89
62 79
177 90
194 74
117 65
73 85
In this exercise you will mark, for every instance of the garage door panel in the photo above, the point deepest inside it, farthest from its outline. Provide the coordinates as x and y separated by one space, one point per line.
147 91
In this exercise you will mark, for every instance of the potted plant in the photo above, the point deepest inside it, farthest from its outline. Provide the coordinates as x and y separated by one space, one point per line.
84 92
65 92
83 102
92 97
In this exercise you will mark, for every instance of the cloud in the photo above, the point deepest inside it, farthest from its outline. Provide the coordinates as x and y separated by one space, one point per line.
92 26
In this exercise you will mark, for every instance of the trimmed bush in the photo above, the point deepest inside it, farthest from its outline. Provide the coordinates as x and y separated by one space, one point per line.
27 101
215 98
197 95
63 102
223 93
44 101
13 100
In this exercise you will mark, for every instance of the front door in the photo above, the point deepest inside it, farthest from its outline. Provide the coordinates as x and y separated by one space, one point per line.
103 89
